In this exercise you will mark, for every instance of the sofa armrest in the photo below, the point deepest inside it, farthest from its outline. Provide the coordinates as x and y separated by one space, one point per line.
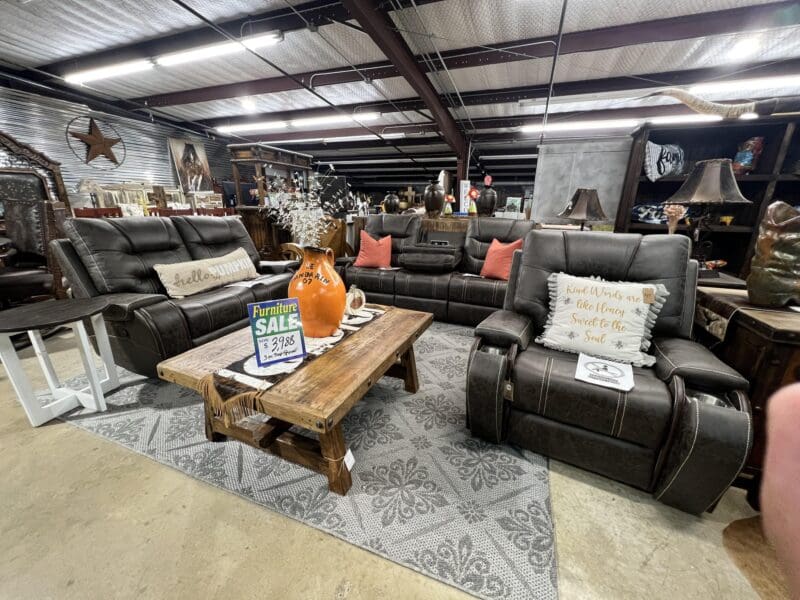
505 327
345 261
122 306
276 267
696 364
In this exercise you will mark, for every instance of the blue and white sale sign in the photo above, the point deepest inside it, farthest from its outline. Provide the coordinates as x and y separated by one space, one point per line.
277 330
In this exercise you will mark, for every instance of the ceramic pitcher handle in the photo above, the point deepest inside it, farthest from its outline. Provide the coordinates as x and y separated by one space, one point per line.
329 254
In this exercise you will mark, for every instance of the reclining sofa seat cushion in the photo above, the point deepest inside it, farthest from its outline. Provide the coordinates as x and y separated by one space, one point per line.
474 298
119 254
379 284
212 237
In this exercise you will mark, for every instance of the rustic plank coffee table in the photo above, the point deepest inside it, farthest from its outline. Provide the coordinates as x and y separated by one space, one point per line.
316 397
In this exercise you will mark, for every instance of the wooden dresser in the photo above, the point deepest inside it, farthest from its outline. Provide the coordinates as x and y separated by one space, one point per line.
762 344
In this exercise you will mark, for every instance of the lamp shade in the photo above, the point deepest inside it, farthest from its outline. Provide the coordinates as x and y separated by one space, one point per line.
710 182
584 206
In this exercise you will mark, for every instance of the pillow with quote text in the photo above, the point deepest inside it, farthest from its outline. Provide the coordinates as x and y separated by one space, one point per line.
605 319
195 276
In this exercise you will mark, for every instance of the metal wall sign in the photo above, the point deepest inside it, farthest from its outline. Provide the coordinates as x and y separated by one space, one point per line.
95 142
41 122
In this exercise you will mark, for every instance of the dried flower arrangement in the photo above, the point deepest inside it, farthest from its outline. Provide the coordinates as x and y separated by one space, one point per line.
306 214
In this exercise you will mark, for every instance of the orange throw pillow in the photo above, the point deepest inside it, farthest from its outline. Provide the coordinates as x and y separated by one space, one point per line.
498 259
374 253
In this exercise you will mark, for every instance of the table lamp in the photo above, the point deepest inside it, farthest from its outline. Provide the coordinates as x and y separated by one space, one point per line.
584 206
710 185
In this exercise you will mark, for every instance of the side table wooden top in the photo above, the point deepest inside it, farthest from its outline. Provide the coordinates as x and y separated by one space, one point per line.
775 323
49 313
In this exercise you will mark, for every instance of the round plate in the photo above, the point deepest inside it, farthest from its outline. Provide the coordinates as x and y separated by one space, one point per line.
252 368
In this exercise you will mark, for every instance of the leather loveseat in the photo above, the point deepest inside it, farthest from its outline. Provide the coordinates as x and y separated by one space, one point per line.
661 436
441 279
114 258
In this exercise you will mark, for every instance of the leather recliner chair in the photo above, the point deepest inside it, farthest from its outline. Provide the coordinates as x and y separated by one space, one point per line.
654 437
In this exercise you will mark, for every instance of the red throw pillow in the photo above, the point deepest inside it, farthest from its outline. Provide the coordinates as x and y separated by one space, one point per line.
498 259
374 253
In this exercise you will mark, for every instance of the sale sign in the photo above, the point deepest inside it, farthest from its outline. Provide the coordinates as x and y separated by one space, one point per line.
277 330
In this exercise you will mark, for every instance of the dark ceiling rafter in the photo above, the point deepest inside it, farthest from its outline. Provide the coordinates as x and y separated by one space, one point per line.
314 13
380 27
515 94
735 20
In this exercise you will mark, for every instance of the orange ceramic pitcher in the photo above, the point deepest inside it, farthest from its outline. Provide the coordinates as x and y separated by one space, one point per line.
320 291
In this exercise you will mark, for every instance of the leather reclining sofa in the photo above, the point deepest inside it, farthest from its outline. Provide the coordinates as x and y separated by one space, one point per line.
660 436
441 279
114 258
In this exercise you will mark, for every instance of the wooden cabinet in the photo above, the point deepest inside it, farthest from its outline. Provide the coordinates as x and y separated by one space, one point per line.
776 177
762 344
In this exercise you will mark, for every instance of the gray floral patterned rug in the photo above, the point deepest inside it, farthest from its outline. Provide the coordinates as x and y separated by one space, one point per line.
425 493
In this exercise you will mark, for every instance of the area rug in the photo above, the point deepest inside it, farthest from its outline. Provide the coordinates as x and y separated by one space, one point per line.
425 493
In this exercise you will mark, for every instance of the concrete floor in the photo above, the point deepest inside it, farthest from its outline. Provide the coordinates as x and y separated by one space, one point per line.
81 517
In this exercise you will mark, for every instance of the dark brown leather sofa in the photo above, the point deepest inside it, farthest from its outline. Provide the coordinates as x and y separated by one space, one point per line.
114 258
656 437
442 280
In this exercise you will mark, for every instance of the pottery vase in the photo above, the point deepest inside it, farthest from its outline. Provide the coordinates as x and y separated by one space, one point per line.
433 196
487 201
391 203
320 292
774 278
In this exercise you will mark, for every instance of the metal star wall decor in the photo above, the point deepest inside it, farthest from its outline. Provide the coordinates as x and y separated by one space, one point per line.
96 143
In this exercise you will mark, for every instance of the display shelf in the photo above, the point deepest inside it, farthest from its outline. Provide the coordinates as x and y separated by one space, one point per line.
772 179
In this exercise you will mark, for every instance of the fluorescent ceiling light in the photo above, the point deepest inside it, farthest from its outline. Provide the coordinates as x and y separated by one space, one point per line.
248 103
582 125
346 138
214 50
677 119
124 68
745 48
748 116
747 86
507 156
335 119
252 127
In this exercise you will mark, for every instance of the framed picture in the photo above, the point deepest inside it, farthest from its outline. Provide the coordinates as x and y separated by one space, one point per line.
191 164
514 204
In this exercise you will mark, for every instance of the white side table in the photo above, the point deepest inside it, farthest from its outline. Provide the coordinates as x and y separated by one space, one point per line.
32 318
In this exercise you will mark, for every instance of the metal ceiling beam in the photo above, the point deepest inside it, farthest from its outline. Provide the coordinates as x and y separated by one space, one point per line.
532 92
380 27
735 20
314 13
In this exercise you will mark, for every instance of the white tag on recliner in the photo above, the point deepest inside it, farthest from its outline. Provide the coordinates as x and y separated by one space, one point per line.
606 373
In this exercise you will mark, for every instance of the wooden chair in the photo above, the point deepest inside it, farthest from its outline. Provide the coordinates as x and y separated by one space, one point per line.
112 212
170 212
217 212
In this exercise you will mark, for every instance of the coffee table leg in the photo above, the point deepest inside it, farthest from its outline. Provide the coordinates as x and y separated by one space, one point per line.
211 435
333 451
410 364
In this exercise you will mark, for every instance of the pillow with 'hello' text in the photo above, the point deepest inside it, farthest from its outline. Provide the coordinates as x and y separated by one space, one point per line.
611 320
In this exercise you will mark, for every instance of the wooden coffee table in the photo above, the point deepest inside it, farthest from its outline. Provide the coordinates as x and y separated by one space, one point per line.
316 397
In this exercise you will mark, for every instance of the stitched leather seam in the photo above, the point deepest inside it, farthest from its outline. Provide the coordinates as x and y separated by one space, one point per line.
688 456
547 389
541 389
634 254
498 402
616 414
622 416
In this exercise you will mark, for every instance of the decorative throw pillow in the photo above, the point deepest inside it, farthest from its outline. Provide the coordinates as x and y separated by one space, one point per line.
662 160
195 276
374 253
498 259
602 318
